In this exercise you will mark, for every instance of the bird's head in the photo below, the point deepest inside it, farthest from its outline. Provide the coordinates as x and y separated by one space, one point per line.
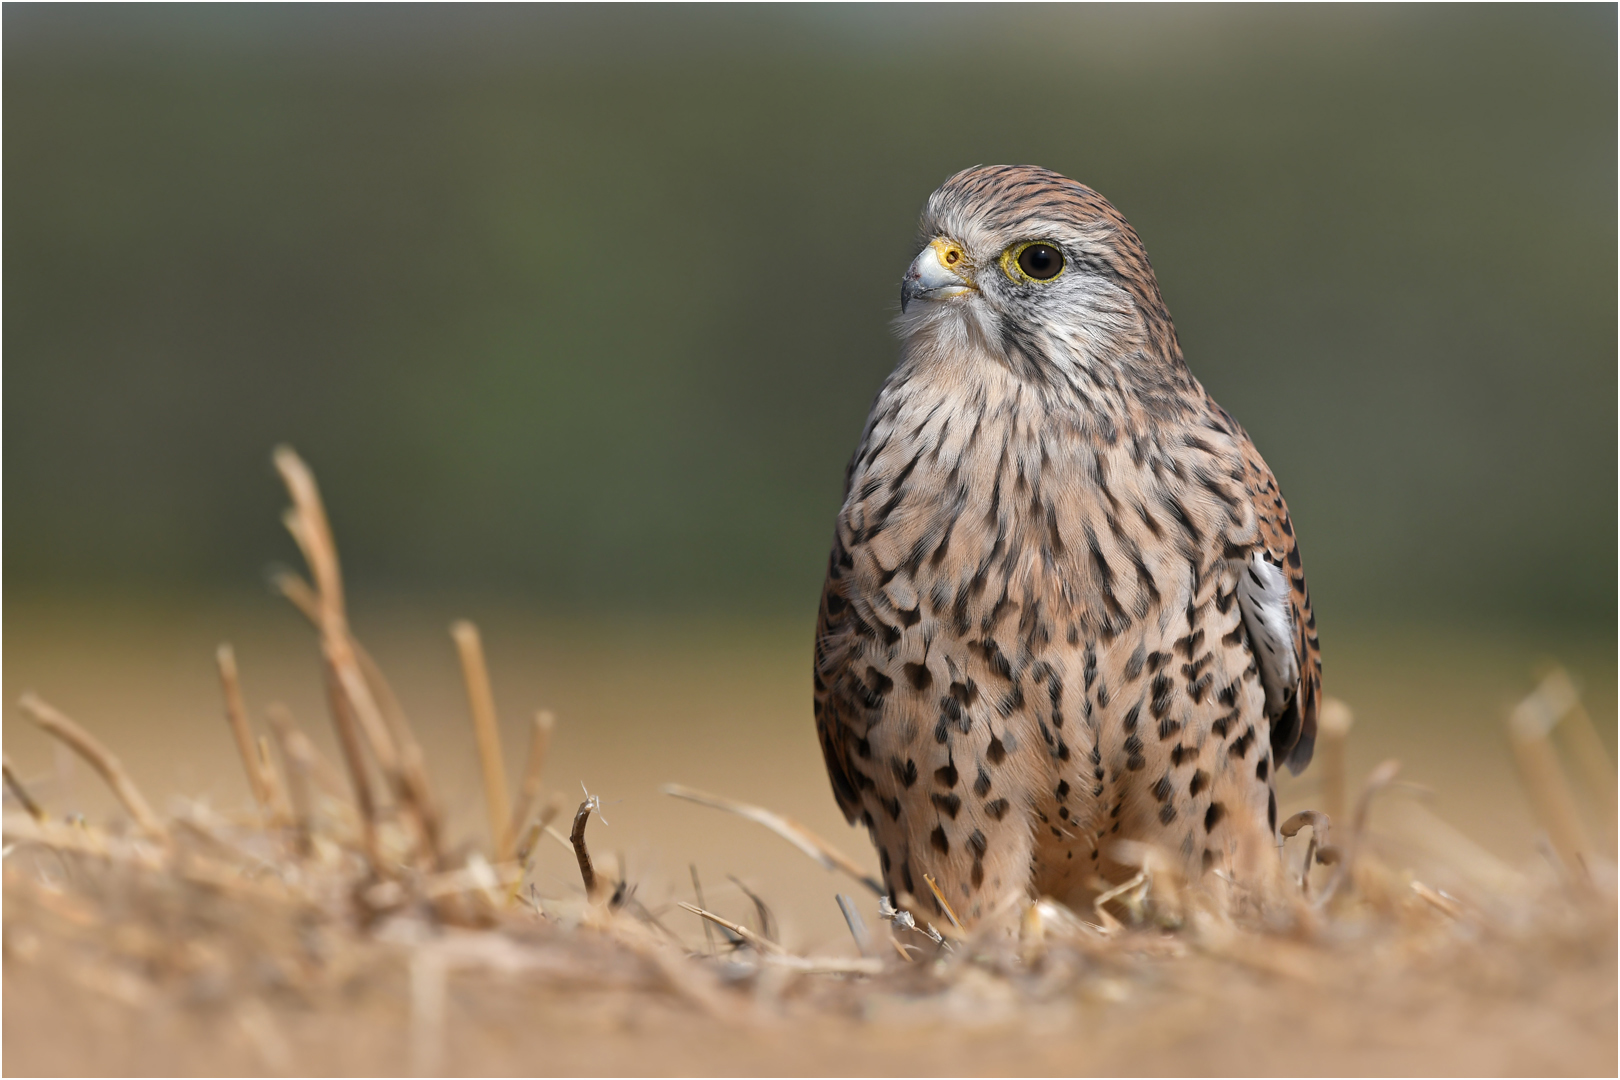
1037 269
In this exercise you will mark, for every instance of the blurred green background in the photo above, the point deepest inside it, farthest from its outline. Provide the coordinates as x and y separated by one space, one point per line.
585 306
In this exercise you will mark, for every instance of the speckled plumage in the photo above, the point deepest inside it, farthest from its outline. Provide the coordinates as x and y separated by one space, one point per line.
1064 603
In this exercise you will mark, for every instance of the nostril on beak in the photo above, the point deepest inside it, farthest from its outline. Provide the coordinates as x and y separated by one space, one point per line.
929 278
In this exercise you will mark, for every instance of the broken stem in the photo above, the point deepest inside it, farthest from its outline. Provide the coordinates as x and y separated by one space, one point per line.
791 831
761 944
481 703
349 740
529 792
587 871
20 793
236 715
944 904
101 759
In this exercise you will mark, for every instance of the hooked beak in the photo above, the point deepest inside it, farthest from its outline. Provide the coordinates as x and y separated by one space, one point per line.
939 272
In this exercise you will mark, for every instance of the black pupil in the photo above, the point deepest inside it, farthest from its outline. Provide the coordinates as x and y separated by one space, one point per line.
1040 261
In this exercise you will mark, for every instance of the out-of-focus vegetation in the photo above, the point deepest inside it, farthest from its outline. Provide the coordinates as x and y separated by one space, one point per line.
588 304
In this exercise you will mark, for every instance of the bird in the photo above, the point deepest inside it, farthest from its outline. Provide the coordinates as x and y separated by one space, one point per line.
1065 605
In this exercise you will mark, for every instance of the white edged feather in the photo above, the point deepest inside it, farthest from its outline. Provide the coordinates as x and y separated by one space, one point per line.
1263 597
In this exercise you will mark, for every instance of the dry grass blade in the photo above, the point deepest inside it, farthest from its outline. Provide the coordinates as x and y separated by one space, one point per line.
762 910
298 753
481 703
417 793
353 700
308 524
101 759
1099 904
856 924
525 848
791 831
349 740
236 715
1563 708
944 904
412 785
304 598
363 708
708 927
760 944
294 743
297 590
1544 781
1438 900
15 785
529 791
280 808
411 780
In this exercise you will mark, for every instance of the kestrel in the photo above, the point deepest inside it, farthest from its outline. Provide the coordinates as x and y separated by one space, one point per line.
1065 603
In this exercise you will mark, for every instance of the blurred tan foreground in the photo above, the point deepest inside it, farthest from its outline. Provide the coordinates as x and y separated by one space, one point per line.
724 706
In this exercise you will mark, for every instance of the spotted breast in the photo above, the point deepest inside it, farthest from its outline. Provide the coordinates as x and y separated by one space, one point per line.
1065 604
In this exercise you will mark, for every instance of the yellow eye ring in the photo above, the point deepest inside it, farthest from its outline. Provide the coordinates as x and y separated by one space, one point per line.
1037 261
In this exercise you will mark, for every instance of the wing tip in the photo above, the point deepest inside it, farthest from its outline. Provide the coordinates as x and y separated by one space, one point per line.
1300 755
1293 734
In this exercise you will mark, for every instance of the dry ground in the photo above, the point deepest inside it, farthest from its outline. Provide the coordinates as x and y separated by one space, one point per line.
110 968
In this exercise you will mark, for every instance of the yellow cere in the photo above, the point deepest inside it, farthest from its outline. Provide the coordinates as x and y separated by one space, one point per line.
951 255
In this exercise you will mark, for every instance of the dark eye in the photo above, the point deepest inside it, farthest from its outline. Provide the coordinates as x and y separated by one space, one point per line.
1043 262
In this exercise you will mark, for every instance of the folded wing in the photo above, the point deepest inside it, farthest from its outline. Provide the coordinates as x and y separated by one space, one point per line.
1276 607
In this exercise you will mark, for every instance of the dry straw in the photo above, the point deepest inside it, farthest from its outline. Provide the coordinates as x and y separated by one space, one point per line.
481 703
101 759
1552 704
362 858
788 829
236 715
20 793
